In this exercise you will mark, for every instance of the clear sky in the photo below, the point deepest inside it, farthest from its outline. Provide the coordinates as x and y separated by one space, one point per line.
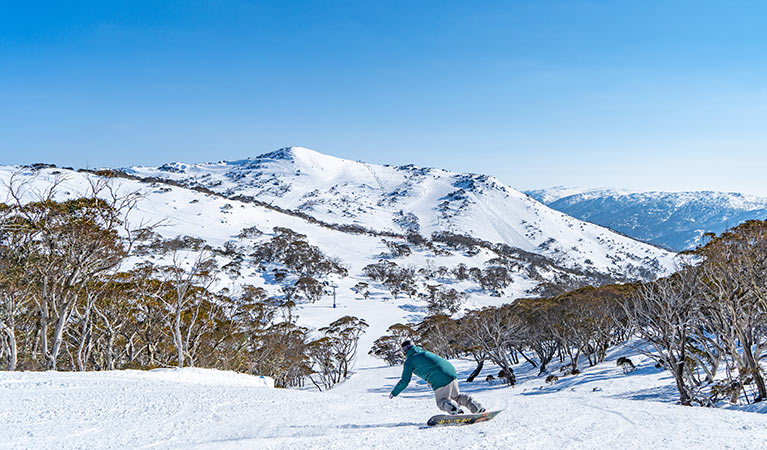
632 94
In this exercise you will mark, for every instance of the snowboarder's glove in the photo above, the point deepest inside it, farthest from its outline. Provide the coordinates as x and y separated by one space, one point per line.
391 395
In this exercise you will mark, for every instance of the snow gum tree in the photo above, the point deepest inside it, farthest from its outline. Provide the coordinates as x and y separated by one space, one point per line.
443 300
734 283
333 354
387 347
68 244
16 290
540 320
498 332
115 312
188 282
438 334
291 249
345 335
395 278
310 287
665 314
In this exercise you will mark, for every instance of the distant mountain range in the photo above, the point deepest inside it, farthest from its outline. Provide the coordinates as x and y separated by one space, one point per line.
674 220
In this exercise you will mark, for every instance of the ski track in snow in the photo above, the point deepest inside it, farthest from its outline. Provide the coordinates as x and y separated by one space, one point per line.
208 409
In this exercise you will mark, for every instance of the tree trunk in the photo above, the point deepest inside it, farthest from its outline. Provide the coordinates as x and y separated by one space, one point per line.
574 359
753 369
684 397
503 363
476 371
511 379
532 363
44 331
12 351
177 337
760 387
84 339
58 333
110 349
589 350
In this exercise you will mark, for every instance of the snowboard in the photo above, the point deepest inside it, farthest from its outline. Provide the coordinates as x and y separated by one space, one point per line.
461 419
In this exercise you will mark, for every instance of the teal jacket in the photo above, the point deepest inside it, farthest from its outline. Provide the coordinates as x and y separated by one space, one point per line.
435 370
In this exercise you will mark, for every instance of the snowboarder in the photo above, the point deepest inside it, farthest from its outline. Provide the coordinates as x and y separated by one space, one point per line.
440 375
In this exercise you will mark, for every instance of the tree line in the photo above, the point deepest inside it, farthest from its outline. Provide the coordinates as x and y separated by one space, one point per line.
571 327
75 294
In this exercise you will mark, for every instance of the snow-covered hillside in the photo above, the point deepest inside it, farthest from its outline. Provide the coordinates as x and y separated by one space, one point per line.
423 200
219 222
675 220
206 409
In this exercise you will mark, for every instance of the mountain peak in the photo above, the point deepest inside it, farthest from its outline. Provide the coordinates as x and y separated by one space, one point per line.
285 153
291 154
304 157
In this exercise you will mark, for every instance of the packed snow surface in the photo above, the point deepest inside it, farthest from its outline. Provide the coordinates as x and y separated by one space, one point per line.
197 408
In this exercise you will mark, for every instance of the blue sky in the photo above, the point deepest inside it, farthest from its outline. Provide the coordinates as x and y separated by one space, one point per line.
634 94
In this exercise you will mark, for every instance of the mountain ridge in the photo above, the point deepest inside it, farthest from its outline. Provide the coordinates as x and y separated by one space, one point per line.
674 220
408 198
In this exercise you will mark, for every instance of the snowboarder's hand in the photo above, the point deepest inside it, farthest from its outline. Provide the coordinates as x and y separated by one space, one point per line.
391 395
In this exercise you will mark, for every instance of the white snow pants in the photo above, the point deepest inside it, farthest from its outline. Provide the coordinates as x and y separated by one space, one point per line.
448 395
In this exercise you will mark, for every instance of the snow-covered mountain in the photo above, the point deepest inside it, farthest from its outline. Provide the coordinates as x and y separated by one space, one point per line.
675 220
565 252
516 247
404 199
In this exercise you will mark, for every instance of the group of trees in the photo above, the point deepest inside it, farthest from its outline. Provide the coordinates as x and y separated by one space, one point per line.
54 259
293 251
572 327
395 278
293 355
71 297
65 303
402 280
441 299
706 324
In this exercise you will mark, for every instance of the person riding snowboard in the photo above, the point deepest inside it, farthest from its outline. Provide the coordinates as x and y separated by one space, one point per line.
440 375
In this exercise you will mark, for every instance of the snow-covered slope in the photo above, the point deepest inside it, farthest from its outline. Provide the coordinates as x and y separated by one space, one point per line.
675 220
206 409
219 221
424 200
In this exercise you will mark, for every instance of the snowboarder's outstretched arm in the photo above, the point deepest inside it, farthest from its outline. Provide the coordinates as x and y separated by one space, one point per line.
407 374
